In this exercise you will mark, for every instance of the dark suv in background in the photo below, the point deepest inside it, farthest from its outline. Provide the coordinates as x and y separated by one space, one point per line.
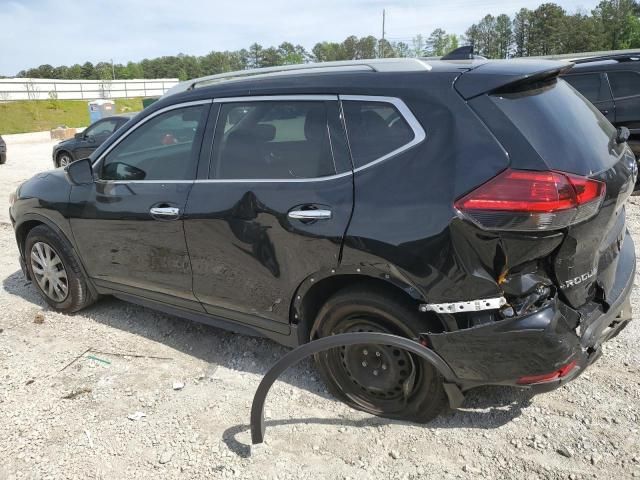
84 143
475 206
612 84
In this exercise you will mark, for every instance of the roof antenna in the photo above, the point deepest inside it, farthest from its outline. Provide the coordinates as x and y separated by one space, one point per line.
462 53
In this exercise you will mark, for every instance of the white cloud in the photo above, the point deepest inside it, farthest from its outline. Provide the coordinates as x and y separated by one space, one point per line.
63 32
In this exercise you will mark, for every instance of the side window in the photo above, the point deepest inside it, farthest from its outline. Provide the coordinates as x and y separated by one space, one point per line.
163 148
624 84
375 129
105 127
590 85
274 140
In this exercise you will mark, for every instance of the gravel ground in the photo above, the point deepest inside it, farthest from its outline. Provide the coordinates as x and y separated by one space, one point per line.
92 395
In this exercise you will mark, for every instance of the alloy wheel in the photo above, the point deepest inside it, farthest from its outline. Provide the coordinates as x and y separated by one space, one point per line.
49 271
64 160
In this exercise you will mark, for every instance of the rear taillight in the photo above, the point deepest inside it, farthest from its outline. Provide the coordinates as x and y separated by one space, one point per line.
529 200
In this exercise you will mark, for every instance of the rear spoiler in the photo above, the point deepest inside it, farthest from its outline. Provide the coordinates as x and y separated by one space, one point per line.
507 75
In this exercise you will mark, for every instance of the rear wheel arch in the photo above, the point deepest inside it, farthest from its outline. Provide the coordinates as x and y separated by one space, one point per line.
316 290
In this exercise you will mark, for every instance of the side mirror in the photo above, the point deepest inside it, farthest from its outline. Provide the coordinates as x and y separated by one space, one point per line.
79 136
80 172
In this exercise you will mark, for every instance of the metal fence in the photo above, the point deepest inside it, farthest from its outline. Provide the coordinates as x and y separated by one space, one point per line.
44 89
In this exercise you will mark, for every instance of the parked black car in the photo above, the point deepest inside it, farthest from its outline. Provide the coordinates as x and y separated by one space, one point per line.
85 142
476 206
3 151
612 84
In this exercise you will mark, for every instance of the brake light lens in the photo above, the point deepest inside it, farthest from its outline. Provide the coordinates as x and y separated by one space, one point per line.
531 200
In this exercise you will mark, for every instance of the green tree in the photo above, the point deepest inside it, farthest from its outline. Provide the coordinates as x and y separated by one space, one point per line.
615 18
522 32
483 36
546 30
437 43
402 49
327 52
581 33
504 36
255 55
291 54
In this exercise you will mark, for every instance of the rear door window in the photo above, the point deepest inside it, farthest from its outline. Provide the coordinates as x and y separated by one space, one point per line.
279 139
624 84
591 85
375 129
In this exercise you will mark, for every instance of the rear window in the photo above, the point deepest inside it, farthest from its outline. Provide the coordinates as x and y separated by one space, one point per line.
566 130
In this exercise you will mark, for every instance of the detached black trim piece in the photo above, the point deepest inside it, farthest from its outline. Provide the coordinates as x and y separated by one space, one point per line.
345 340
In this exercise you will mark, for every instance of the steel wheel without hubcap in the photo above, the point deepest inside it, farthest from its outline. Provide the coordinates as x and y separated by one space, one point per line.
64 160
377 377
49 272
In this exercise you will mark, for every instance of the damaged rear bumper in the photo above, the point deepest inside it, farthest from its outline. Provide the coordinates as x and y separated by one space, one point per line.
549 340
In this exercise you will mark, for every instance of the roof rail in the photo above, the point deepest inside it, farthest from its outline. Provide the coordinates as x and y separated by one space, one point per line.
372 65
613 56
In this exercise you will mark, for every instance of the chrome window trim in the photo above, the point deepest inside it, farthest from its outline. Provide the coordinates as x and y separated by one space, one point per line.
126 182
142 122
274 180
418 132
419 135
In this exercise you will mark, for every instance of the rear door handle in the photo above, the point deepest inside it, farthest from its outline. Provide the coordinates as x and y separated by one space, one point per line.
165 213
310 214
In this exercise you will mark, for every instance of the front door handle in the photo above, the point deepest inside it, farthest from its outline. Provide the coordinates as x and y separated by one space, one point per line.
165 213
310 214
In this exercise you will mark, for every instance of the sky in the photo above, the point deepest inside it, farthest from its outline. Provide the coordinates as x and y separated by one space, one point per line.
64 32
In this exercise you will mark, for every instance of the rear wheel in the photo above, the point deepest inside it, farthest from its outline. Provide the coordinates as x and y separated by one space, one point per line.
378 379
63 159
55 270
3 158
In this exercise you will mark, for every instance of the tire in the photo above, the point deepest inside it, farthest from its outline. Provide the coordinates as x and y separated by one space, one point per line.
3 158
405 387
63 159
51 261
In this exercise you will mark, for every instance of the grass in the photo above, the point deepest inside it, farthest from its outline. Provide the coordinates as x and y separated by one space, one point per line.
24 116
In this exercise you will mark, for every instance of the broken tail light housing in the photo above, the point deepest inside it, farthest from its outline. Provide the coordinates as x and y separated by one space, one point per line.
548 377
525 200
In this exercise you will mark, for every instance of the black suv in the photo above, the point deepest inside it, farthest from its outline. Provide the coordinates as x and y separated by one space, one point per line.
612 84
84 143
476 206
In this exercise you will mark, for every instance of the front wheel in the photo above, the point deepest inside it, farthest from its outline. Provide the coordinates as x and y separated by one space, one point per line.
63 159
378 379
55 270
